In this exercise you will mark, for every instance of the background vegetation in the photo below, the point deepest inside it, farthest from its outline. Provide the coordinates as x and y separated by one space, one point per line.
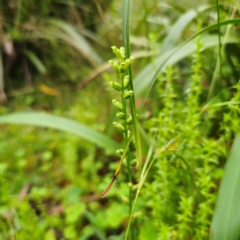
54 59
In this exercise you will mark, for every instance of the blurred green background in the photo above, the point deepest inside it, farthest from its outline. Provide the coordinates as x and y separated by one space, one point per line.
54 59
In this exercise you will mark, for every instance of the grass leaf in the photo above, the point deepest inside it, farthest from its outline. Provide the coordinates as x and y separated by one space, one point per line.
226 219
142 80
36 61
68 34
63 124
176 31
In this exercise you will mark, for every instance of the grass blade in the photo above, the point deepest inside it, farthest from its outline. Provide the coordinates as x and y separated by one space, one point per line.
68 34
36 61
142 80
108 188
176 31
63 124
151 81
226 219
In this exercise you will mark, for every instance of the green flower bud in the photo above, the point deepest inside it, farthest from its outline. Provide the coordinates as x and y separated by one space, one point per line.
136 215
133 162
117 104
116 51
128 61
132 145
114 65
120 151
127 94
126 81
119 127
116 86
122 52
125 199
121 115
129 120
122 67
135 187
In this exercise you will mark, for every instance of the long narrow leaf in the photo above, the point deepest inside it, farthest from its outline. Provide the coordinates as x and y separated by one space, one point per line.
63 124
152 80
226 219
142 80
175 31
68 34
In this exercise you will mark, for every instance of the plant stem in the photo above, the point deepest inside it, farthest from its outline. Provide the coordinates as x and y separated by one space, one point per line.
124 102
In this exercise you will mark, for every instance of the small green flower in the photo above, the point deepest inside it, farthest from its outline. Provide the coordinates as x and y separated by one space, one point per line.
127 94
116 86
129 120
128 61
117 52
133 162
121 115
122 52
122 67
114 65
126 81
119 127
120 151
117 104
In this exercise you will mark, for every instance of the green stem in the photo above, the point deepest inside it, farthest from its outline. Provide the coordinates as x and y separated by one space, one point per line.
126 43
124 102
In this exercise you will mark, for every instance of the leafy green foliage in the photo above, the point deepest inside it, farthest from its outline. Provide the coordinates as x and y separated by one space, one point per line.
54 60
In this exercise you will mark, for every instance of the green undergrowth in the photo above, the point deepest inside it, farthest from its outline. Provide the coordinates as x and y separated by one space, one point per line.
181 188
51 181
